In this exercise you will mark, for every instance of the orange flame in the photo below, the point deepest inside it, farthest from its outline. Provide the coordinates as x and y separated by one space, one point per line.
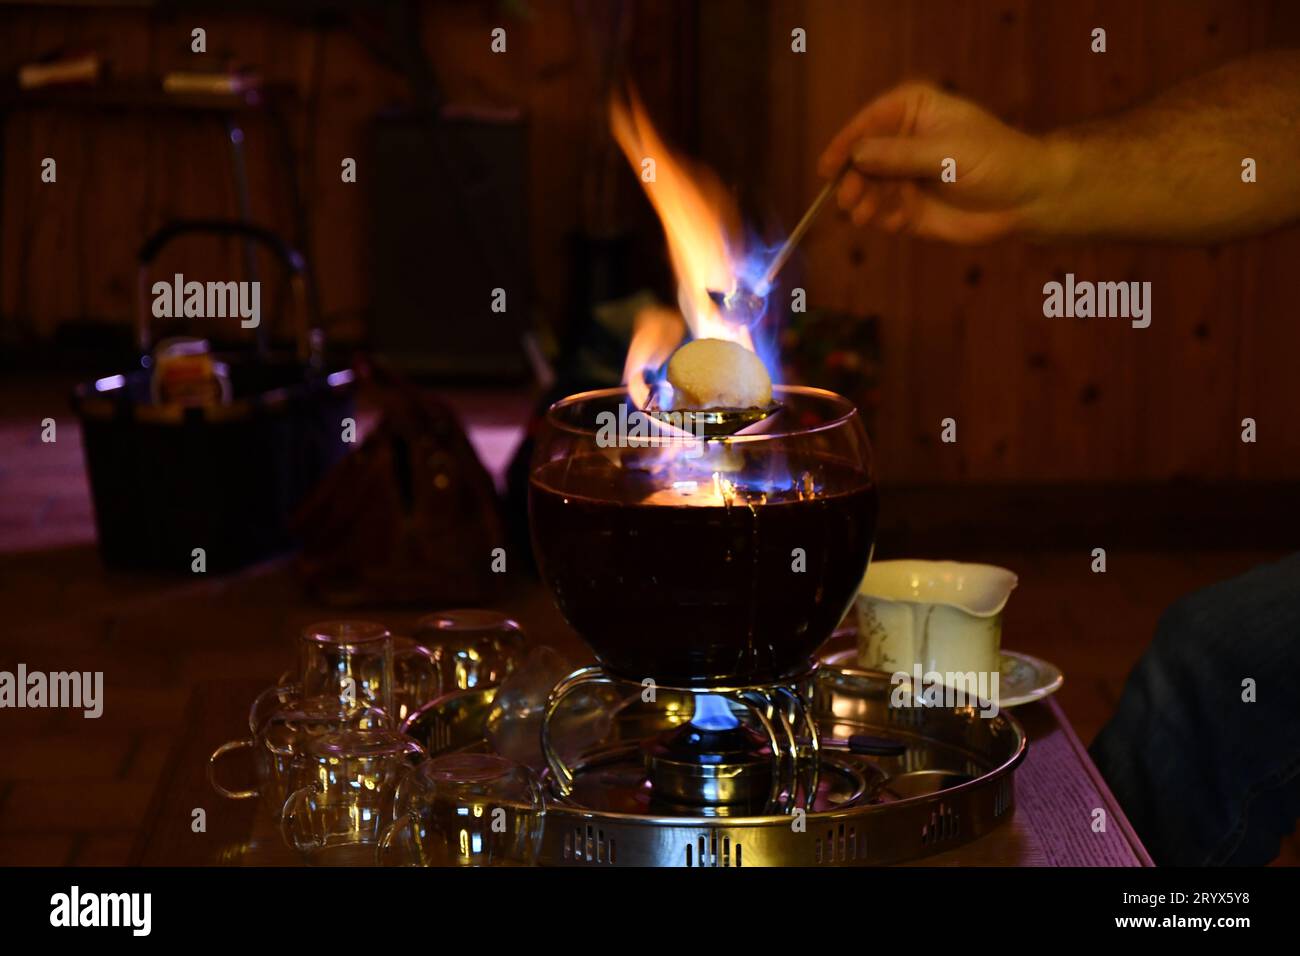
698 216
656 332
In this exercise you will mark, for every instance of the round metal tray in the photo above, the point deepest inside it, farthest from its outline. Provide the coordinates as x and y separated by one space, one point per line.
952 783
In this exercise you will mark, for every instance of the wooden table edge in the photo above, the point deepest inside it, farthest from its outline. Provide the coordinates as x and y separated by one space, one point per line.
1116 811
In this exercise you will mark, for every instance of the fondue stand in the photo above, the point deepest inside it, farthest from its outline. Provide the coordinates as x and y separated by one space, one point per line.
728 744
717 762
714 761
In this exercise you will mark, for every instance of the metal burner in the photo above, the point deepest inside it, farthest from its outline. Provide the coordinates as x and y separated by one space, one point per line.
693 766
769 763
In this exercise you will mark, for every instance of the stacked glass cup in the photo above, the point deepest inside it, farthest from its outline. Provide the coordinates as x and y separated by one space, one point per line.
343 782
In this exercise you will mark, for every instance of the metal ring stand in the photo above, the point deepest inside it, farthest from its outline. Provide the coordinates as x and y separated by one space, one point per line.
782 710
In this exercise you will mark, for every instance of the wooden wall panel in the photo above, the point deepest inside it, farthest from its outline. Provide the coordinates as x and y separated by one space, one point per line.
962 329
122 175
1045 399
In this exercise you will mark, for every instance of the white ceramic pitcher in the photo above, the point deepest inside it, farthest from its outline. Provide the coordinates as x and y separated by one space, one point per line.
945 616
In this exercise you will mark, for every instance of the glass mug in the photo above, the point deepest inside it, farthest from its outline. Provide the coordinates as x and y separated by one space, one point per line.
346 787
465 810
513 725
278 697
472 647
360 662
278 737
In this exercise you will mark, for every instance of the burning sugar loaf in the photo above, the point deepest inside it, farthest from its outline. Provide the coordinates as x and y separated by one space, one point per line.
715 373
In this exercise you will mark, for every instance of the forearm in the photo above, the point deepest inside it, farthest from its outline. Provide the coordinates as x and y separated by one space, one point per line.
1172 169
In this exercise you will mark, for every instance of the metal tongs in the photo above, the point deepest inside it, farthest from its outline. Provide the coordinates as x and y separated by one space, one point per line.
745 305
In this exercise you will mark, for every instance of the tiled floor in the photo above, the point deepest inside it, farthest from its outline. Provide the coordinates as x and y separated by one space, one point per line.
74 790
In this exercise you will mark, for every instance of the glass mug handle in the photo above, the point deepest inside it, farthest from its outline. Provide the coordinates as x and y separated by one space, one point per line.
229 747
560 772
283 691
409 654
388 835
292 807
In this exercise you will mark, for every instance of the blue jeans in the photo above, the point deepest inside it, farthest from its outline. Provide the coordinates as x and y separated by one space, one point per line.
1205 777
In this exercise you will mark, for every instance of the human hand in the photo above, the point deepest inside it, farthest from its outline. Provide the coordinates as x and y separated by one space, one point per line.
897 146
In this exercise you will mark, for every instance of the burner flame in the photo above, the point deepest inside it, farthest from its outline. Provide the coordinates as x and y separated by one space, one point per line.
712 712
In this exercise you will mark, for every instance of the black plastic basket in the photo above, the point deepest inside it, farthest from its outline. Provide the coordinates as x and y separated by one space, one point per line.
167 479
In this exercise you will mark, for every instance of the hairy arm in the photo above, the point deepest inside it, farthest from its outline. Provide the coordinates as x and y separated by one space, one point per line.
1170 169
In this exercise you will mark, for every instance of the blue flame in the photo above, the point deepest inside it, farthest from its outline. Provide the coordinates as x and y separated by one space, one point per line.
757 255
713 713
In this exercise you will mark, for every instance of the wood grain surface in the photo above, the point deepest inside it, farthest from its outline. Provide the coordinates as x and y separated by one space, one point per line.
963 332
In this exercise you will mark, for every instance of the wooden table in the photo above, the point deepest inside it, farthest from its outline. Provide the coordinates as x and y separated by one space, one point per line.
1058 791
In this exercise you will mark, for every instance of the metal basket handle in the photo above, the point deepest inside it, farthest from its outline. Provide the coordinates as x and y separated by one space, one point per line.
306 335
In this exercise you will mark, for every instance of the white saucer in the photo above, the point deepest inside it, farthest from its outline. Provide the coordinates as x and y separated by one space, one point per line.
1023 678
